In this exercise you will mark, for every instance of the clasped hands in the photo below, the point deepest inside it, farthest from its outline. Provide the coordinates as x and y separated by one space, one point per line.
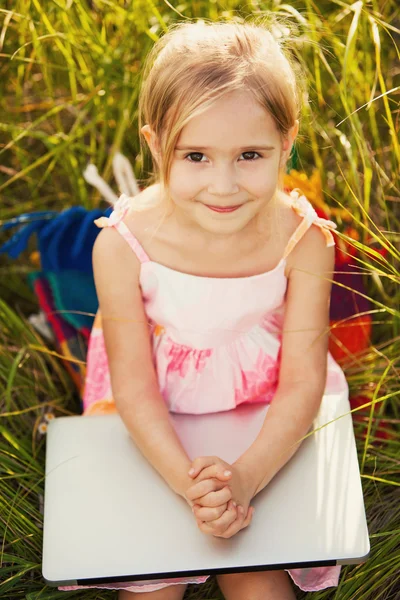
220 496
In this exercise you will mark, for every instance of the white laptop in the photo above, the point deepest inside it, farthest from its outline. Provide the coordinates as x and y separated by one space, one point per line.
110 517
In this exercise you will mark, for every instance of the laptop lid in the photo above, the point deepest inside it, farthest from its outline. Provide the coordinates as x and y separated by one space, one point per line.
109 516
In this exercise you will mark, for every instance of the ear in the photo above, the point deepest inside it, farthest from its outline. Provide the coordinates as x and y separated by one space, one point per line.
288 142
152 141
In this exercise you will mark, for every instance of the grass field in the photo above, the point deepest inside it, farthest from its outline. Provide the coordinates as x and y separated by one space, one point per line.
68 96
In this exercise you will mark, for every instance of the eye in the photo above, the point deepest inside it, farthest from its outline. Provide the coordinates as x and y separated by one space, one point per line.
251 152
196 154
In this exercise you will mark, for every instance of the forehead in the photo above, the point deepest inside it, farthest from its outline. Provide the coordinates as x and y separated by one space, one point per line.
233 121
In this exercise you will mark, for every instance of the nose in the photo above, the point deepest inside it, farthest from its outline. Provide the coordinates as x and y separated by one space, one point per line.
223 182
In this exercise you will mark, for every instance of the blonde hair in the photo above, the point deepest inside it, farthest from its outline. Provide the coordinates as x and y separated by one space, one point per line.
194 64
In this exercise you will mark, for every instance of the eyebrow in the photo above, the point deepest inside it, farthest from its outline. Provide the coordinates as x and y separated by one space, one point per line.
201 148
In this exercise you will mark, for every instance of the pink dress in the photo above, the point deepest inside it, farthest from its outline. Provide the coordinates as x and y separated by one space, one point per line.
233 349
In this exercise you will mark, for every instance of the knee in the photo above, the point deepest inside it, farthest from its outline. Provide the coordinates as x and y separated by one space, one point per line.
260 585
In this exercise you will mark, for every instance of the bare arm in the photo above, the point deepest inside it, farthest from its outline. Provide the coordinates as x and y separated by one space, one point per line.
133 378
303 367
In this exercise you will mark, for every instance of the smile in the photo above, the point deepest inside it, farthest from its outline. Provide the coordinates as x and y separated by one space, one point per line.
223 209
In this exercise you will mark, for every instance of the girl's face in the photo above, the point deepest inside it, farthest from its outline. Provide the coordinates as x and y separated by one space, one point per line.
229 156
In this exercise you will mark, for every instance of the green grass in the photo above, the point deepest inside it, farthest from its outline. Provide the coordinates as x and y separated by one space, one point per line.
69 90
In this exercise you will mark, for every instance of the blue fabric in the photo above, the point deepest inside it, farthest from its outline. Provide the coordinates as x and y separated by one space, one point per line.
74 292
19 241
65 239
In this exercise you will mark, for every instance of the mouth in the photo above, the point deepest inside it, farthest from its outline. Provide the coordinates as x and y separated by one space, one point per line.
223 209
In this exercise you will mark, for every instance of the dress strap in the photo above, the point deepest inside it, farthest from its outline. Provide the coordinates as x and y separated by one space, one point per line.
305 209
121 207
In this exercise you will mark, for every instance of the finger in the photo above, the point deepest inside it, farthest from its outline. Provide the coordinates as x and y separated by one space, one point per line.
220 525
200 463
240 523
217 498
198 490
206 514
234 528
217 471
249 517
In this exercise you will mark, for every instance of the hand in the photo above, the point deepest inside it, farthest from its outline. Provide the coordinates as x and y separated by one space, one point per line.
216 488
231 522
222 520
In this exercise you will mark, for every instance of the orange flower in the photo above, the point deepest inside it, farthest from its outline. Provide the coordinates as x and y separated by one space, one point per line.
312 188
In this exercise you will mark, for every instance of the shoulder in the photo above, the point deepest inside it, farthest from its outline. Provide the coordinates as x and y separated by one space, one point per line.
149 196
109 245
311 251
113 259
136 212
146 214
149 202
312 256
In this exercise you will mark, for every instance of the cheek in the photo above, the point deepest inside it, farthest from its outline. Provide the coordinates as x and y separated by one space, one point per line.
264 180
183 183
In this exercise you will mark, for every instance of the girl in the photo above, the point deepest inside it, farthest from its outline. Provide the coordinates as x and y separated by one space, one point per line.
214 284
